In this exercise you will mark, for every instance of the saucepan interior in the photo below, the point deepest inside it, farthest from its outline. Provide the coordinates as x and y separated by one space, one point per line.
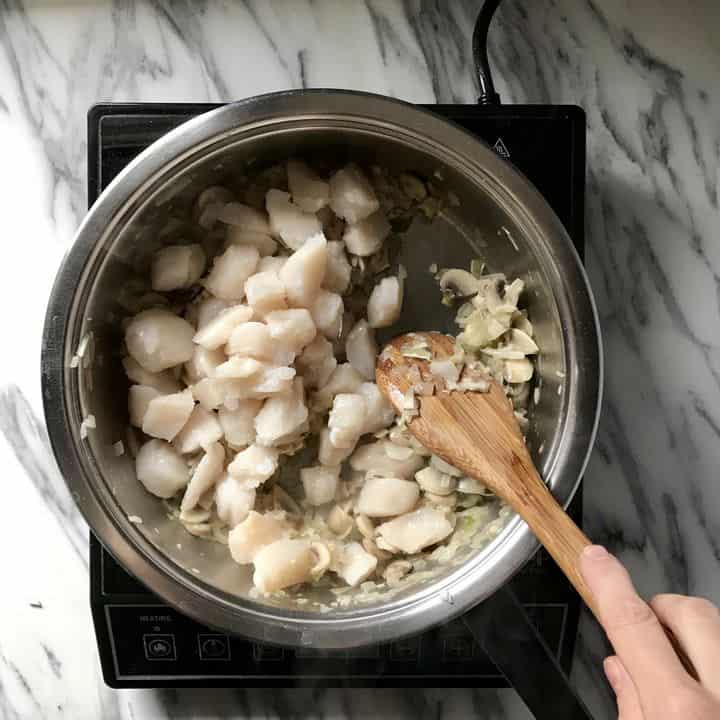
495 215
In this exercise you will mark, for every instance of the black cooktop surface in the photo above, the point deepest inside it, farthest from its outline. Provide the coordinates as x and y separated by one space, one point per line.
524 635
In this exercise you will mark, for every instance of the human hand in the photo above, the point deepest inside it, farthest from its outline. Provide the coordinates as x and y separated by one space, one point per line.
649 680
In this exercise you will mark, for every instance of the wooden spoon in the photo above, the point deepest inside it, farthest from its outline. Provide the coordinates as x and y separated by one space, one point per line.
477 432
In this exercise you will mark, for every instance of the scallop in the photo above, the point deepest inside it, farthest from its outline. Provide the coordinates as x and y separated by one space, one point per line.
385 303
216 332
417 530
238 425
203 363
351 195
233 500
387 496
166 414
347 419
158 339
354 565
282 417
206 474
251 339
272 264
273 380
327 313
289 221
230 270
303 273
254 465
366 237
211 393
293 329
309 191
328 454
320 484
245 217
379 413
344 379
374 457
139 398
200 431
263 243
337 269
161 469
361 349
177 266
254 533
163 382
518 371
265 292
283 563
239 367
317 362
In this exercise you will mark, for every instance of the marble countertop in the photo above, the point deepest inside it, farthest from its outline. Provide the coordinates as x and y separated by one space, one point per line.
647 78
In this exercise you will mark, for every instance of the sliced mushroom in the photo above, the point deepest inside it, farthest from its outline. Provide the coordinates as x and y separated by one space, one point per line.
339 521
518 371
396 571
431 480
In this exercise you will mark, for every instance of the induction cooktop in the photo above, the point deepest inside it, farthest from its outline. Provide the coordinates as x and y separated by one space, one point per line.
523 636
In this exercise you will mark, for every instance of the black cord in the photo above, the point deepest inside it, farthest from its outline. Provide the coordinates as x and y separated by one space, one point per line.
488 96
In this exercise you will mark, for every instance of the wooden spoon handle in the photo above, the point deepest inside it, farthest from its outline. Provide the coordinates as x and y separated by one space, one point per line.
553 527
564 540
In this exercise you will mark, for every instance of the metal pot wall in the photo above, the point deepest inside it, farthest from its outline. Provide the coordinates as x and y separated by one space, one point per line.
146 206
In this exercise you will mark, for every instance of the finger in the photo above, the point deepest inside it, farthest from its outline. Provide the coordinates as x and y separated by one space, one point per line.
695 622
624 688
630 624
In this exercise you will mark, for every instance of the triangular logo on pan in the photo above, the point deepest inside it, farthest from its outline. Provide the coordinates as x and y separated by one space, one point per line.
500 148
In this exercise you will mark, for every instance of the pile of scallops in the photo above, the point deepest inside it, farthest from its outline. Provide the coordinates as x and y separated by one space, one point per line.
264 364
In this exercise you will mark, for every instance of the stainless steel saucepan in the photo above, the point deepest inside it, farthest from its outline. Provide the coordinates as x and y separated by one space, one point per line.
147 206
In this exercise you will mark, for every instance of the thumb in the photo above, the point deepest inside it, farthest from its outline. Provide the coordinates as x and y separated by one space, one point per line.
626 695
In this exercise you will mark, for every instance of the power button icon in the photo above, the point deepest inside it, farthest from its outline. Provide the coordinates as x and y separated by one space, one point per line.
214 647
159 646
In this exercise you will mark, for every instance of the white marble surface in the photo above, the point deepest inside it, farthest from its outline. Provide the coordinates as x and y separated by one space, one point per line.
647 77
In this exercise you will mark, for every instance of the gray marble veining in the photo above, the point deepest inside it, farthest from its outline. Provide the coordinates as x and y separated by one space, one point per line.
646 73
